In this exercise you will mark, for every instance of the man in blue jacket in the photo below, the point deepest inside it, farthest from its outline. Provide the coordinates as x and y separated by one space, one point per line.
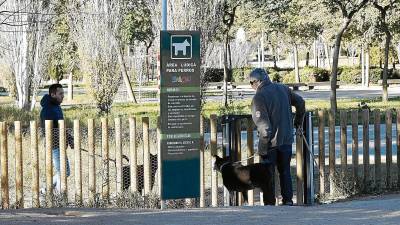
272 113
51 110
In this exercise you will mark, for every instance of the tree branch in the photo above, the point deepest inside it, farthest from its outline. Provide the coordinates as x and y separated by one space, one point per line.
358 8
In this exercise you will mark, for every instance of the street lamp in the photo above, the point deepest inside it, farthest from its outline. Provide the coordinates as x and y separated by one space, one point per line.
164 14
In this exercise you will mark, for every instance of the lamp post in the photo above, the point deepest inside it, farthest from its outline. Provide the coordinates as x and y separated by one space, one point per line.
164 15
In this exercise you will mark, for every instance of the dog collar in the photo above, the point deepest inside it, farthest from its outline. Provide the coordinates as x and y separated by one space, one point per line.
223 164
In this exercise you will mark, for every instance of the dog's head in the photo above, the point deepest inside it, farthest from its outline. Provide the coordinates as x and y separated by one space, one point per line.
218 162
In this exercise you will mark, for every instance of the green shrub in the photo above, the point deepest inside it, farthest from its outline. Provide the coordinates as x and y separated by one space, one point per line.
394 74
352 75
289 78
214 75
375 75
240 74
10 114
276 75
349 75
307 75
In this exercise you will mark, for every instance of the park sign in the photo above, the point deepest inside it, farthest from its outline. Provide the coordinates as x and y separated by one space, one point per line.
180 114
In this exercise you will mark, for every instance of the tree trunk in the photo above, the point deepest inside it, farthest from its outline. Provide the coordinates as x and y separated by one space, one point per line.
147 71
367 67
230 62
262 50
335 64
398 51
327 55
385 96
226 71
315 59
70 87
125 76
296 63
307 58
148 46
21 71
362 61
274 58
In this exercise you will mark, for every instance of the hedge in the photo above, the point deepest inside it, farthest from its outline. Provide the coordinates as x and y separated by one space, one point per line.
307 75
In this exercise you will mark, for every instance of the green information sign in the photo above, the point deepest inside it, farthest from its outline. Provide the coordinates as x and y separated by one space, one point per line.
180 114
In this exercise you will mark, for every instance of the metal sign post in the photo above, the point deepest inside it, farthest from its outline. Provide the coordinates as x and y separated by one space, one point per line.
308 166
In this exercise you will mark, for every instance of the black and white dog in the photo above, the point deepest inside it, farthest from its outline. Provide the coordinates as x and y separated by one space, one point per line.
237 177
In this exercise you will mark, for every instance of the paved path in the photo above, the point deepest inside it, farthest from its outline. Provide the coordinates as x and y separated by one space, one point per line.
378 210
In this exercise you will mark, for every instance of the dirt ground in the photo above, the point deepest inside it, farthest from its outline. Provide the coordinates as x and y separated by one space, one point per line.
368 210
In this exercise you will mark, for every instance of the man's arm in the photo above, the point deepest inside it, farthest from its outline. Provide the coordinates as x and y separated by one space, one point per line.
261 120
298 102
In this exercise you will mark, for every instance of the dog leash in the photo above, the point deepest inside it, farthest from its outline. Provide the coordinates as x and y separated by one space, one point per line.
244 160
300 131
100 156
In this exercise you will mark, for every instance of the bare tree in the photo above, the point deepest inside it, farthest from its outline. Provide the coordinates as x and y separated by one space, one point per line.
24 32
99 50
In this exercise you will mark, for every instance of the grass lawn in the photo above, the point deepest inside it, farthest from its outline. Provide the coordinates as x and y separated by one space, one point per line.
84 110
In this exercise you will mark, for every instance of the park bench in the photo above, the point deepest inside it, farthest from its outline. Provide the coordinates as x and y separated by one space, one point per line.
390 81
296 86
318 84
221 84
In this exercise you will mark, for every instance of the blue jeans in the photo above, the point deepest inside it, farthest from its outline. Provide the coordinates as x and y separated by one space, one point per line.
281 156
56 164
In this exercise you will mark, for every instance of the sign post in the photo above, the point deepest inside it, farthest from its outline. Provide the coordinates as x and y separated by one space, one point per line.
180 114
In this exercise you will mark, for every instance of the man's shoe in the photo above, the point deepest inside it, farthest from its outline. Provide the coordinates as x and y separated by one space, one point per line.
288 203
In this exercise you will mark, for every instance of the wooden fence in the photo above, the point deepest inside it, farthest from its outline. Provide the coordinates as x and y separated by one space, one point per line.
328 167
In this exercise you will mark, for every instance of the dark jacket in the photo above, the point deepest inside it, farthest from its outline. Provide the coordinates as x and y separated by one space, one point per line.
272 114
51 110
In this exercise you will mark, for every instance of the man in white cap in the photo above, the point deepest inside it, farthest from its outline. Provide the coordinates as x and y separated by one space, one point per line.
272 113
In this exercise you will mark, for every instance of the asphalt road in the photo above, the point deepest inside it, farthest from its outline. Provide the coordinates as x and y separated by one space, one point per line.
323 93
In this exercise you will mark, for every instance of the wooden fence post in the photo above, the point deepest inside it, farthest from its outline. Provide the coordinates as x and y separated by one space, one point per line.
146 156
250 152
377 140
106 166
354 148
118 154
332 153
92 161
159 162
49 162
343 142
238 142
5 195
19 174
78 163
133 154
388 147
202 164
35 164
213 151
63 160
365 119
299 169
321 154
